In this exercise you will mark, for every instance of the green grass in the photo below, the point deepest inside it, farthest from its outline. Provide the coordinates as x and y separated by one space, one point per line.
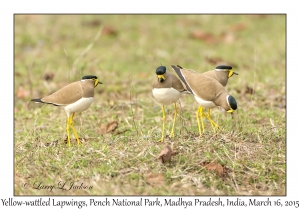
252 145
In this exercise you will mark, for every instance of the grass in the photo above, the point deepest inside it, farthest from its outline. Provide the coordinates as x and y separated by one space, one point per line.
124 51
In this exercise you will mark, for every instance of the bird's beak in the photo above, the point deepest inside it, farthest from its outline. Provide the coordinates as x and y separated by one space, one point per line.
230 73
230 111
161 78
96 82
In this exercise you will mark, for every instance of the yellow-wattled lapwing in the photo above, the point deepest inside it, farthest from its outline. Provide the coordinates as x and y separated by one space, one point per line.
208 92
167 89
221 73
75 97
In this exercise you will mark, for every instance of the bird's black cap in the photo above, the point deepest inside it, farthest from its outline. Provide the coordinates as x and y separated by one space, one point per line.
232 102
89 77
161 70
223 67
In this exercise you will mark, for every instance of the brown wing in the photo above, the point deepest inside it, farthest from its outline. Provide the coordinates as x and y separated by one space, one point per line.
67 95
176 83
177 69
205 87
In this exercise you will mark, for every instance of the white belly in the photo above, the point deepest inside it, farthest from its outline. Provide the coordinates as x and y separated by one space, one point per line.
166 96
79 106
206 104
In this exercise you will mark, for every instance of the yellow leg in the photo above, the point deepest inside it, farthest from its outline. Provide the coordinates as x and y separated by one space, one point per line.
72 126
174 120
164 120
215 124
68 131
201 117
197 116
212 123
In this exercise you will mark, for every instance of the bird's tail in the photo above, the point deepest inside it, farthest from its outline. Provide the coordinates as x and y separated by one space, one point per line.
37 100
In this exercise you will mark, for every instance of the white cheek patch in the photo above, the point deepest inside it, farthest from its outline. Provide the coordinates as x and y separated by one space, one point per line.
227 100
221 69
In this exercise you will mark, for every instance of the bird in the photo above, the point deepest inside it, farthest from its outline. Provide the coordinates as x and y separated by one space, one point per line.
167 89
75 97
208 92
222 73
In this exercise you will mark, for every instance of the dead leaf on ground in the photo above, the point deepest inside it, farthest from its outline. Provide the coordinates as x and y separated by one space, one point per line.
92 23
221 171
155 180
249 90
208 38
245 91
166 154
108 128
219 61
48 76
22 93
109 30
238 27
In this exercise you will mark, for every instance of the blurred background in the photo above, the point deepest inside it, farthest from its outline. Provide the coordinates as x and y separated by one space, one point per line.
125 50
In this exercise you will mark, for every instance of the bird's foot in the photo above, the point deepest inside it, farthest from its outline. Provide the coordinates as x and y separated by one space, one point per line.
171 135
79 142
161 140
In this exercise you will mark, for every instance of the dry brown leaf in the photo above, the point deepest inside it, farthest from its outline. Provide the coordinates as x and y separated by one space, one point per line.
221 171
219 61
155 180
92 23
249 90
166 154
109 30
238 27
22 93
108 128
204 36
48 76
